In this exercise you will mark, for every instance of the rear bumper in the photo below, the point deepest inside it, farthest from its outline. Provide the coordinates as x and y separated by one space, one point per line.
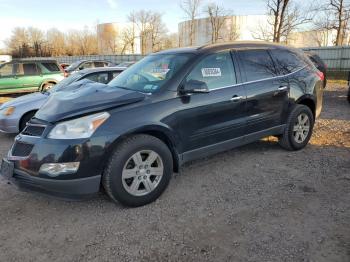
68 189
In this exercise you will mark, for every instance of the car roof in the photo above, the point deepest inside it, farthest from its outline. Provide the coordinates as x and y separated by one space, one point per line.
33 61
223 46
91 60
102 69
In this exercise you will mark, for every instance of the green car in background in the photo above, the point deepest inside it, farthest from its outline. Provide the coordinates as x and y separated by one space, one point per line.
20 76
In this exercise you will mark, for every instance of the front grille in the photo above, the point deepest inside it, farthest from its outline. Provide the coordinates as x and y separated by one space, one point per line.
21 149
33 130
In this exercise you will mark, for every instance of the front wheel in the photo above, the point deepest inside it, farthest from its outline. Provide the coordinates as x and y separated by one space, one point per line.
298 129
138 170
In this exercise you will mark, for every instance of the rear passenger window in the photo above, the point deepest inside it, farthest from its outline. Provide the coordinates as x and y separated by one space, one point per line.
52 67
86 65
27 69
257 64
286 61
98 77
215 70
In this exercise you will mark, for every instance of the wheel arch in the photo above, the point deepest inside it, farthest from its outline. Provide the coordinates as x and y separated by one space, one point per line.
308 101
47 81
23 116
162 133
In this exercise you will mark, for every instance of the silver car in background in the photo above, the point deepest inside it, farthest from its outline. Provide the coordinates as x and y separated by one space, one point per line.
15 113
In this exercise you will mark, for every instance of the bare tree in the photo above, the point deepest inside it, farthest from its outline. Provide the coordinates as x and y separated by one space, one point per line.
81 42
18 43
284 17
151 29
142 20
341 10
218 16
157 30
233 33
128 37
131 33
169 41
36 40
56 42
191 10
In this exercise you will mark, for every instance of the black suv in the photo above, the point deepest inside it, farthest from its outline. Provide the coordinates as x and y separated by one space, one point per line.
169 108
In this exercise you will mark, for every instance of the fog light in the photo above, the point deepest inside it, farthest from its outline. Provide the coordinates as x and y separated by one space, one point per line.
56 169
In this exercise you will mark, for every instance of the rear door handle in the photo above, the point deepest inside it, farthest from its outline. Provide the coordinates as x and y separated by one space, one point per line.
282 88
236 98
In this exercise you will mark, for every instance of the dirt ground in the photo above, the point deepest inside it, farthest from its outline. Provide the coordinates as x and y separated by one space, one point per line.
254 203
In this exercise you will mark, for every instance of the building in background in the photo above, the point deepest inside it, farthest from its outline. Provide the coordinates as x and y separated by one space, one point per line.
315 38
125 38
250 27
234 28
5 58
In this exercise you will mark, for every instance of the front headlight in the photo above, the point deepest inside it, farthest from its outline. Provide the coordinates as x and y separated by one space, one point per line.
7 111
82 127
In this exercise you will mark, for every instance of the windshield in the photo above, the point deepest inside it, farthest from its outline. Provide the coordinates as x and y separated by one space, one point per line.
65 82
151 73
74 65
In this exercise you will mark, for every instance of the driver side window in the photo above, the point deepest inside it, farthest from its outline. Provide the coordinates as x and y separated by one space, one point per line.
216 70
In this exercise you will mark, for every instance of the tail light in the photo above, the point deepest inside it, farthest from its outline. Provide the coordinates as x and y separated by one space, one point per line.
320 75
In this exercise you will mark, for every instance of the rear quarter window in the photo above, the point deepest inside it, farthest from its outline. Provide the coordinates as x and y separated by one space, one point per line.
286 61
51 67
257 64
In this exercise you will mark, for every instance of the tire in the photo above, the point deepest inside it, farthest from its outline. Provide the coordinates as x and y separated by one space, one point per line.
119 176
46 87
25 119
292 139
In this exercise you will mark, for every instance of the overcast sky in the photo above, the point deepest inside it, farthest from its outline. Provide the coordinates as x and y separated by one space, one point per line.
75 14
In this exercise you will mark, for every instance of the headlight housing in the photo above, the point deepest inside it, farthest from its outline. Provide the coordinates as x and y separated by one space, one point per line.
82 127
7 111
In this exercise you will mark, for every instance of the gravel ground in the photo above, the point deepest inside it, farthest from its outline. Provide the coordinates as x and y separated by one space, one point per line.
253 203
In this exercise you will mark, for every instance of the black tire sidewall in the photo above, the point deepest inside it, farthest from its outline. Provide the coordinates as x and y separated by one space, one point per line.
44 87
117 163
295 113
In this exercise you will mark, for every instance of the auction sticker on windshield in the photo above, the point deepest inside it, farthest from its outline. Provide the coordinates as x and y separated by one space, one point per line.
211 72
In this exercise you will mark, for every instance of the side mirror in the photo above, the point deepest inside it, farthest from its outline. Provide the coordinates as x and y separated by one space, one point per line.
194 86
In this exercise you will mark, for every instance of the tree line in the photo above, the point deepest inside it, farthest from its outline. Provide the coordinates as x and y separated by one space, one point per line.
284 18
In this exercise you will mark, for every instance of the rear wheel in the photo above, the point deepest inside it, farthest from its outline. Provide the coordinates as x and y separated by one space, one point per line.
47 86
138 171
298 129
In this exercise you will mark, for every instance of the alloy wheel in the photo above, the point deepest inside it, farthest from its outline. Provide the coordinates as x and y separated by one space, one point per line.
301 128
142 173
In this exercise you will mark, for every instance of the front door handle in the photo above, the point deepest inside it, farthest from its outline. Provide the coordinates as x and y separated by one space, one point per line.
236 98
282 88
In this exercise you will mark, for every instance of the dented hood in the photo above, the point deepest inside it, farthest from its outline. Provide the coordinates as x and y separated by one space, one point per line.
85 97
